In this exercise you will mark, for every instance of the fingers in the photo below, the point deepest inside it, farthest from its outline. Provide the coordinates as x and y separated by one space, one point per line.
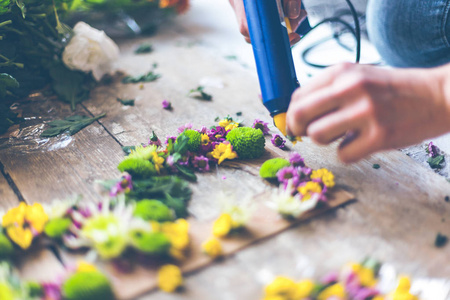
238 6
292 8
294 38
307 108
336 124
357 146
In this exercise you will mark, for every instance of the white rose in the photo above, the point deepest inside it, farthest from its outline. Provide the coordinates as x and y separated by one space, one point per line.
90 50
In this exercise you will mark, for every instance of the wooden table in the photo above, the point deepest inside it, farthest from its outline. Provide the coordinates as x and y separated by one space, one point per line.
400 206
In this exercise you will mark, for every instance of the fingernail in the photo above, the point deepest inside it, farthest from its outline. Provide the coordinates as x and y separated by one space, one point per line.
294 38
293 9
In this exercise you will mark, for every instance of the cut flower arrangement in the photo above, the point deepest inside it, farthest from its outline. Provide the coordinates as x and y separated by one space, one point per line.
356 281
39 52
142 218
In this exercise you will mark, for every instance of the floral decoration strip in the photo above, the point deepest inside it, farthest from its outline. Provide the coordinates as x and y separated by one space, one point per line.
354 282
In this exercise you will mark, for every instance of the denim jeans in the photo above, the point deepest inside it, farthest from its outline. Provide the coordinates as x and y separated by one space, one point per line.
410 33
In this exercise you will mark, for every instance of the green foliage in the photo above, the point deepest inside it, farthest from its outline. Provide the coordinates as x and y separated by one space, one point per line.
57 227
150 76
144 48
6 247
142 152
195 139
87 285
137 167
4 6
126 102
440 240
7 83
71 124
247 142
435 162
34 290
151 242
270 168
199 93
153 210
71 86
170 190
376 166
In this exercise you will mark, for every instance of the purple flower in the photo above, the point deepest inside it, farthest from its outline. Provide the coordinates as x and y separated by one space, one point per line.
124 185
154 140
432 150
217 134
278 141
201 163
181 129
167 105
286 174
170 137
330 278
203 130
52 291
296 160
261 125
185 160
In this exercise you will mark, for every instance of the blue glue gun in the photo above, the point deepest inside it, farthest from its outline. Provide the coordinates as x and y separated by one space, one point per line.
268 29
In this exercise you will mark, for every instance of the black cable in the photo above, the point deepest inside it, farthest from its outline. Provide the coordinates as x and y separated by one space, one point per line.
355 32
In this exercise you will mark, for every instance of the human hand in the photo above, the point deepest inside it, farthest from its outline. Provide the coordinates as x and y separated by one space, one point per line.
375 109
292 10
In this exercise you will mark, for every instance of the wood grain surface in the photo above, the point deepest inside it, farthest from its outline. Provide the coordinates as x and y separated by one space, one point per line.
400 206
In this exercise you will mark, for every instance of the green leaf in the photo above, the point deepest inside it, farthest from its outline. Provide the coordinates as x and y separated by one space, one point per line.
435 162
150 76
69 84
71 124
186 172
21 6
144 48
181 144
126 102
376 166
198 93
440 240
127 149
4 6
7 82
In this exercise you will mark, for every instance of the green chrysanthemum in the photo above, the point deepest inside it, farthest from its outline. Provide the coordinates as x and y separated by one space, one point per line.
89 285
153 210
247 142
5 292
106 234
270 168
151 242
6 247
137 167
57 227
195 139
142 152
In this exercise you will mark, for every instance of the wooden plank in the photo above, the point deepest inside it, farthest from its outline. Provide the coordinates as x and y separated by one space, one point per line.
47 169
401 206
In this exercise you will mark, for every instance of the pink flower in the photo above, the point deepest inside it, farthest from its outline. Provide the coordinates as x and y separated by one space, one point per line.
201 163
278 141
261 125
181 129
124 185
167 105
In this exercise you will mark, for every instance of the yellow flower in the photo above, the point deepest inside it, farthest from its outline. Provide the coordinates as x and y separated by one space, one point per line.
402 291
366 276
169 278
326 176
21 236
205 139
308 189
15 216
177 232
85 267
231 126
36 217
24 220
336 290
282 287
223 151
223 225
212 247
303 289
157 161
225 122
